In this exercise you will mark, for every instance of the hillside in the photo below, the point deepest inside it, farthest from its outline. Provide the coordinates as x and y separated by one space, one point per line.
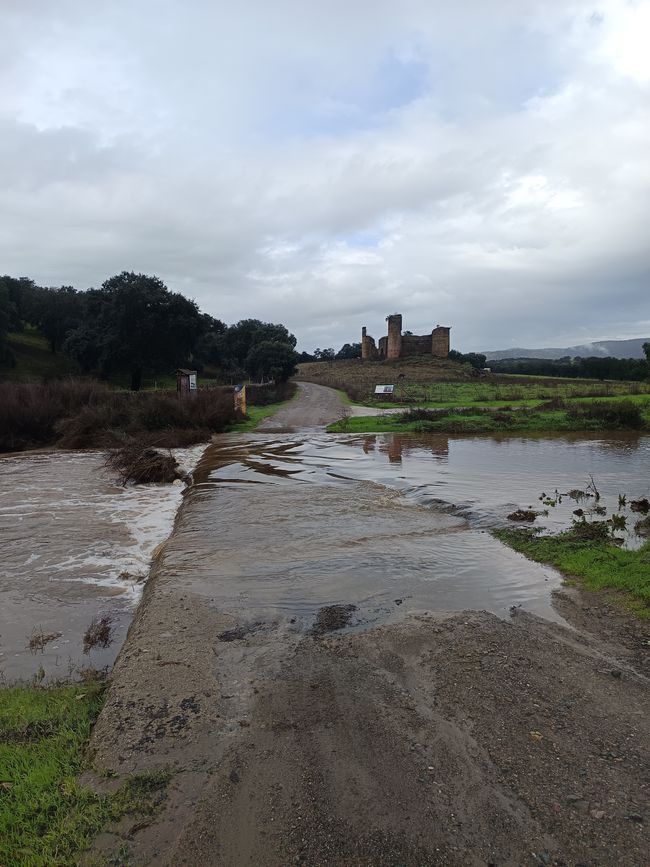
34 361
359 378
632 348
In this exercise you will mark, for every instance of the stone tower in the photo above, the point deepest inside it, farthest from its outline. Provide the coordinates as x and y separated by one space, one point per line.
440 341
394 348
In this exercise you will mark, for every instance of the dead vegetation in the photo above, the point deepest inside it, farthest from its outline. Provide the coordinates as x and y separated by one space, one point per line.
99 633
523 515
642 527
39 639
137 463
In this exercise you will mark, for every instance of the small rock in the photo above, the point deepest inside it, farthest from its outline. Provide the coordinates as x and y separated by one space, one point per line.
616 672
398 601
597 814
234 776
545 858
572 799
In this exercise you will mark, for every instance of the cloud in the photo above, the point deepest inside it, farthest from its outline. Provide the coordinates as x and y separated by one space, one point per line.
325 164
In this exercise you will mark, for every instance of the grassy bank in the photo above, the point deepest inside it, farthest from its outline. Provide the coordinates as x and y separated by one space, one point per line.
495 392
588 553
46 817
256 414
586 414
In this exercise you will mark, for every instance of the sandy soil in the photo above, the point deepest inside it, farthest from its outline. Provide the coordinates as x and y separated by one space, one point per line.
460 739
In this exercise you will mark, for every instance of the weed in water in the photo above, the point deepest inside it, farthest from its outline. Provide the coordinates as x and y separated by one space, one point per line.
642 527
38 639
99 632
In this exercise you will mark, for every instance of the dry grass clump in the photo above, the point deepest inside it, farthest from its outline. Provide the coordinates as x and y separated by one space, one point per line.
99 633
38 639
140 464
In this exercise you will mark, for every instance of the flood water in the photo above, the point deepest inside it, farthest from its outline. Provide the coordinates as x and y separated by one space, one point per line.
75 546
278 525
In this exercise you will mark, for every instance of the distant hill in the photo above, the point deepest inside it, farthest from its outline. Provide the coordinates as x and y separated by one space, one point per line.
601 348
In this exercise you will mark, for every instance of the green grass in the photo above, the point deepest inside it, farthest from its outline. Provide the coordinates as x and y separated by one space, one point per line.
34 361
521 419
447 395
256 414
46 818
597 562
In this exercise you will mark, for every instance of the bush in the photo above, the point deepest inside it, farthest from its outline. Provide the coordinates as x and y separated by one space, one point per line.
622 413
87 414
136 462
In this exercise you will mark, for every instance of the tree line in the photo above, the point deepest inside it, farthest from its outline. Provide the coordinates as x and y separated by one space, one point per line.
133 323
631 369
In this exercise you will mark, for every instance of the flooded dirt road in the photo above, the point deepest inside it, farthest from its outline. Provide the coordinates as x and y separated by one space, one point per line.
441 727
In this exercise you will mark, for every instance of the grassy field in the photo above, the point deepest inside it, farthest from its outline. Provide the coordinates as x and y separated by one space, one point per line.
46 817
502 391
358 379
444 384
631 413
34 361
587 553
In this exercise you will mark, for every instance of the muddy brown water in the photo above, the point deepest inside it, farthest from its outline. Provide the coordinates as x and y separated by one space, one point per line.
279 524
74 546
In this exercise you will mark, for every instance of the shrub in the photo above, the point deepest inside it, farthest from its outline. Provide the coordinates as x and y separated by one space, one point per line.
88 414
621 414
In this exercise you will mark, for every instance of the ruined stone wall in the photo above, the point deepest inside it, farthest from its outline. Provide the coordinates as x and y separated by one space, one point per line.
394 336
416 344
440 342
368 348
397 345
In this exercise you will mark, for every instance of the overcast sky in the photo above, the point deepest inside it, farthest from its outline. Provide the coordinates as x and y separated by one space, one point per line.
483 164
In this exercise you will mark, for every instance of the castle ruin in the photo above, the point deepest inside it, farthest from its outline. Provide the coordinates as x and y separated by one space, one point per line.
398 345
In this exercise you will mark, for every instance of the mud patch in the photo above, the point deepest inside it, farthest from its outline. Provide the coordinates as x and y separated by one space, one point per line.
238 633
332 617
522 515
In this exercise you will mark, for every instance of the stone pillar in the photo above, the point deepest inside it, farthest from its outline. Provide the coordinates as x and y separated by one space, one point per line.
368 348
440 341
394 349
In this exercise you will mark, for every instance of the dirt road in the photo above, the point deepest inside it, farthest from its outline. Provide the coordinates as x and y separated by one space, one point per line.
455 739
314 406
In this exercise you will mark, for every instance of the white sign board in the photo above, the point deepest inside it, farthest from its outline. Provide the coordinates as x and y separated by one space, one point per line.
384 389
192 381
